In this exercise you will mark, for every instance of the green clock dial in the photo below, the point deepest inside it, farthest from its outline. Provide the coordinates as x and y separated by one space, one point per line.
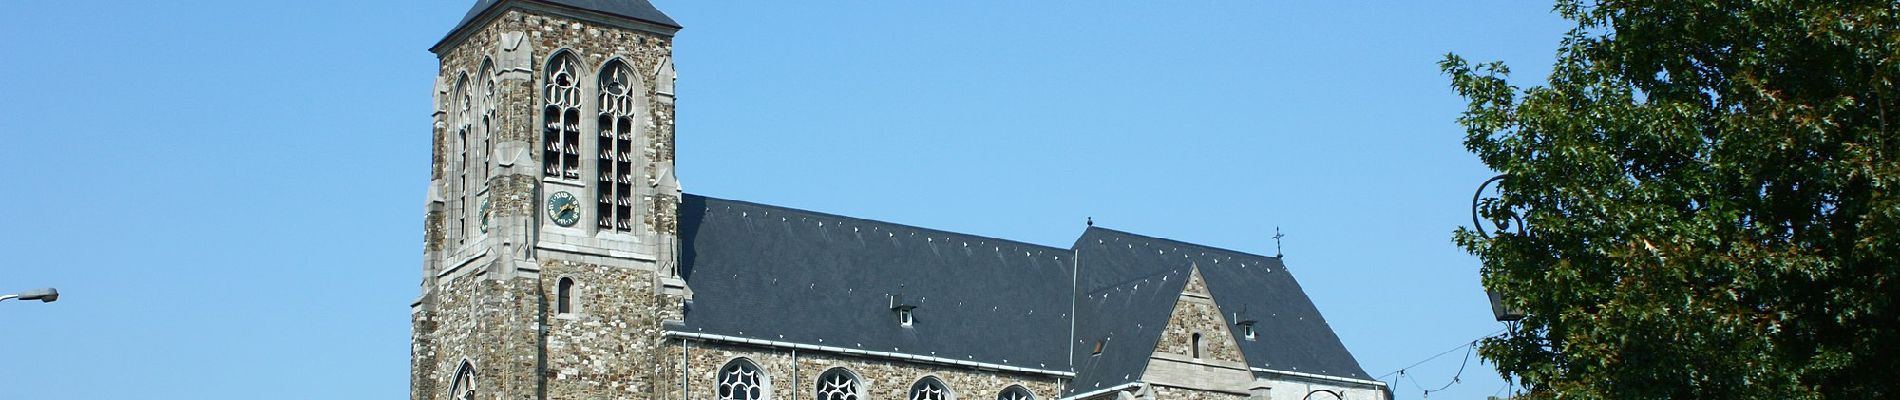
564 209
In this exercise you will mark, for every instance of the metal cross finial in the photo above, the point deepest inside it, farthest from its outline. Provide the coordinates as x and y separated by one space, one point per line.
1277 252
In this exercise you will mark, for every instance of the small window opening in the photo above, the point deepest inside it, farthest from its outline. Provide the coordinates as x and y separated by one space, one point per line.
904 317
564 297
1197 345
1247 331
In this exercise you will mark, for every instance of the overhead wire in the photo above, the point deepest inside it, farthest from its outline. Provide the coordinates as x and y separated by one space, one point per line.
1468 347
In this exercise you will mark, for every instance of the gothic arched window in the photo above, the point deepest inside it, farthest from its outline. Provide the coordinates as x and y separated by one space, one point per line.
561 138
930 388
838 384
487 124
617 153
1015 392
464 386
459 123
742 380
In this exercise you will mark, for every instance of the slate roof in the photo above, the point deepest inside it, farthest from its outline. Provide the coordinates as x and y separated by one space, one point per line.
1125 274
780 274
788 275
634 9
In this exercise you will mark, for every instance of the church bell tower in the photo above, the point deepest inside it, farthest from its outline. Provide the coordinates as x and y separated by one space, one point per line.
551 237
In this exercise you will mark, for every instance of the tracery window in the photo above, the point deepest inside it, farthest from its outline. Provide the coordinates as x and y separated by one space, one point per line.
741 380
489 117
929 388
459 120
837 384
616 158
1015 392
561 138
464 386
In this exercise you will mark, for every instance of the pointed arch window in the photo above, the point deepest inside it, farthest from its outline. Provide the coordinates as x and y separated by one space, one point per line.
930 388
1015 392
838 384
464 386
615 204
561 147
459 122
742 380
489 116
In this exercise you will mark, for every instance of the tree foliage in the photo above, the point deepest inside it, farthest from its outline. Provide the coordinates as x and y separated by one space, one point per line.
1701 201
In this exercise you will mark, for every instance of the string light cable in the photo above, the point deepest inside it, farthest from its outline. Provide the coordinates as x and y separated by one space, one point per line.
1468 347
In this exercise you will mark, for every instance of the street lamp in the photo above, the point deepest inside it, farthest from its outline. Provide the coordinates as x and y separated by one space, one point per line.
1498 309
46 295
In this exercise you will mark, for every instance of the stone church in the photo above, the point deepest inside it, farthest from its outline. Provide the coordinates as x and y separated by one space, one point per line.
562 261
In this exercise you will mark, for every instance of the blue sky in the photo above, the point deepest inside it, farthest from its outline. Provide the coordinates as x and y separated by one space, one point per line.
230 193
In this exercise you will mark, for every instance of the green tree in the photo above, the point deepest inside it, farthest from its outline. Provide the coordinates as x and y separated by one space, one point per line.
1701 201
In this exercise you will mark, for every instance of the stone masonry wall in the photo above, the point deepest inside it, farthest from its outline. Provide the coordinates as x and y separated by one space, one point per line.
489 323
605 349
1170 393
882 379
1194 313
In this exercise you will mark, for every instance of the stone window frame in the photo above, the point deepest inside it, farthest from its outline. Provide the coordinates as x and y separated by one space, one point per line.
561 144
763 383
617 199
458 159
488 115
1194 345
930 387
1015 392
466 369
567 292
857 385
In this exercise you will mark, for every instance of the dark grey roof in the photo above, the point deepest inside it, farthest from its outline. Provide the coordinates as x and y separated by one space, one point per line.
788 275
1127 318
634 9
780 274
1131 283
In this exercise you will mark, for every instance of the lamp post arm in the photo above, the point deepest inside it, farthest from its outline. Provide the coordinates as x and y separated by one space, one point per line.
9 297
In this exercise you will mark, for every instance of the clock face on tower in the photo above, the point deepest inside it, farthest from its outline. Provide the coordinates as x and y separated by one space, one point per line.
564 209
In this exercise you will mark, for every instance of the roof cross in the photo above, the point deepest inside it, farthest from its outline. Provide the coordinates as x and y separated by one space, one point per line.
1277 253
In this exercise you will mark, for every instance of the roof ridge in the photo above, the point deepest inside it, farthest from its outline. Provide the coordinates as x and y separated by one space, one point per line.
1019 243
1182 243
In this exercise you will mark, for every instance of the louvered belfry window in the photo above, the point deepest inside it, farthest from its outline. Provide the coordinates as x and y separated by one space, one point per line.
617 154
561 138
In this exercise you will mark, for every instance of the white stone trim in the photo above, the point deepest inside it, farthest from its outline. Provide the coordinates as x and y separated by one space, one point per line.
1098 392
865 353
1321 377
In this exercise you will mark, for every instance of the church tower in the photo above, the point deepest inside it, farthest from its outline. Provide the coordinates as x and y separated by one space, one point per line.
551 237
